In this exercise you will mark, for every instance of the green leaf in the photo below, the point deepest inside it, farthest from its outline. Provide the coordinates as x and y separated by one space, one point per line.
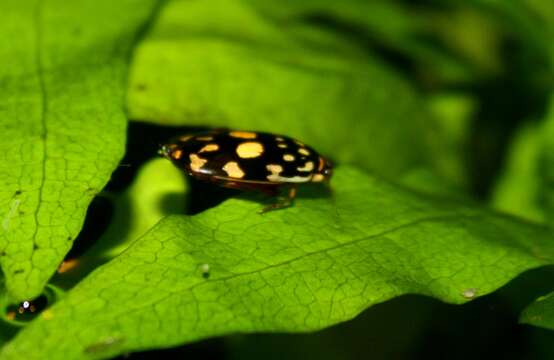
540 313
318 263
454 113
518 189
527 186
158 191
63 128
546 163
226 63
530 19
398 28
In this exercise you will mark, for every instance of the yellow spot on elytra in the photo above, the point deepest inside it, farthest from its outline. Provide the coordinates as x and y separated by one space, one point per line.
274 168
209 147
185 138
275 171
299 143
288 157
176 154
282 145
205 138
243 134
196 162
318 178
309 166
233 170
248 150
278 138
304 151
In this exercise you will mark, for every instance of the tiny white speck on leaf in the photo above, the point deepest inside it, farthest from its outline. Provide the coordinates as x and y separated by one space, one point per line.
469 293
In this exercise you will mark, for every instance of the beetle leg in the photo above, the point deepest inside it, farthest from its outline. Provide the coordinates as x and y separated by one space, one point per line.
282 202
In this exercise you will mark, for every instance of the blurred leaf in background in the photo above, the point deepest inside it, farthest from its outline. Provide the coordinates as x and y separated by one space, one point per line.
227 64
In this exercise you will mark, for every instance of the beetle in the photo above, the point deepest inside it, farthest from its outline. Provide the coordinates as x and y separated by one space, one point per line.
249 160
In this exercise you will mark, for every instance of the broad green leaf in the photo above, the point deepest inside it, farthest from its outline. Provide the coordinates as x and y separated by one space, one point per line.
320 262
63 128
159 190
540 313
224 63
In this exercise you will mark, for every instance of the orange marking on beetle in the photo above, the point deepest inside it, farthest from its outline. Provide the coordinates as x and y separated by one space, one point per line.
275 170
288 157
243 134
233 169
209 147
177 154
196 162
318 178
309 166
249 150
321 164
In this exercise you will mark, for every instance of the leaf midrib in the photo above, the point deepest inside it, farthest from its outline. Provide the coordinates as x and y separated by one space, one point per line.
38 17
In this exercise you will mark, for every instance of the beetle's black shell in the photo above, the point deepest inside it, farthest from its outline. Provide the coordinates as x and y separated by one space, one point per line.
255 169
